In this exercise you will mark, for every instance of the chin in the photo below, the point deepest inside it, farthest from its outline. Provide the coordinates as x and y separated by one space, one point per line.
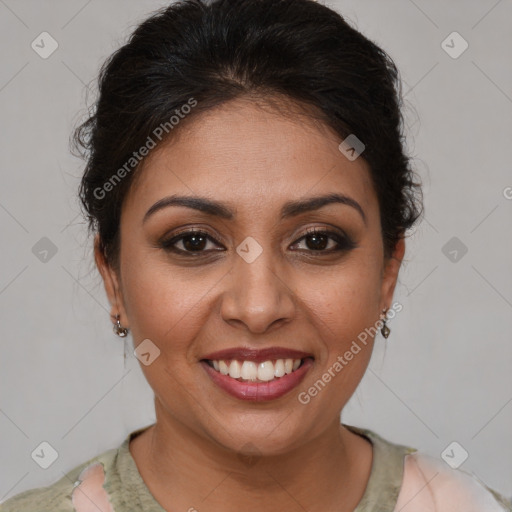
261 434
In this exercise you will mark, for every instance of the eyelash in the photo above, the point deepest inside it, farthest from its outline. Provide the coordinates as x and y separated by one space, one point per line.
344 242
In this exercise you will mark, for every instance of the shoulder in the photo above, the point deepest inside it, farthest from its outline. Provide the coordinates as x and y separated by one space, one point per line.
79 490
405 479
429 485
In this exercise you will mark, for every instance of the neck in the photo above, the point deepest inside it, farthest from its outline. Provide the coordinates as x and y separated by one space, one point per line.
185 470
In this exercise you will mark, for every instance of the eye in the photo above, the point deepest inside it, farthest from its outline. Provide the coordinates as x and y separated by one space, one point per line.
317 240
192 241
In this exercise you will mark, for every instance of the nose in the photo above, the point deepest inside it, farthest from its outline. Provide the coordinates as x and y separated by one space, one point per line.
257 295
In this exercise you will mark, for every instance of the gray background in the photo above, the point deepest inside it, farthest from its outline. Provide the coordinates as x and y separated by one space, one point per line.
444 374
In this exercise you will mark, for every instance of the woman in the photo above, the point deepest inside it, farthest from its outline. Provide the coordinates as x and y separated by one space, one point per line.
250 196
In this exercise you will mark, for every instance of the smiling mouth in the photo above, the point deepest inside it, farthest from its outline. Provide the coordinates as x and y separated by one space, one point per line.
250 371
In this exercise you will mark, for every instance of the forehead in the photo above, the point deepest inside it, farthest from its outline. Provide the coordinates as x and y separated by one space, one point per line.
248 156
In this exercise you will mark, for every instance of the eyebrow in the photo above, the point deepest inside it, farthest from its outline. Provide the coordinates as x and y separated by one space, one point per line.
289 209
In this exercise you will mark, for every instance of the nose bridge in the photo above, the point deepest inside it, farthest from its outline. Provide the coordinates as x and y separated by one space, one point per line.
257 295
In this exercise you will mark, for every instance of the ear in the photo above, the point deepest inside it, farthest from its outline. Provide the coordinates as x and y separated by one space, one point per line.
111 282
390 274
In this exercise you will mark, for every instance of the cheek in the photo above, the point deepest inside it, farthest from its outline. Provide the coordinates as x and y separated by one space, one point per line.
169 310
345 301
343 309
162 305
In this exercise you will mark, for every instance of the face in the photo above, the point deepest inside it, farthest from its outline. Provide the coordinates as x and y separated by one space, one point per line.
254 277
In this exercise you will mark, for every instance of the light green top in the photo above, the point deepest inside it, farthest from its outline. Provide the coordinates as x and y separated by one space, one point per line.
127 490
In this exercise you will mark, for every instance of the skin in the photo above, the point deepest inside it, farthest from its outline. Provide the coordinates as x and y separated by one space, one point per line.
254 159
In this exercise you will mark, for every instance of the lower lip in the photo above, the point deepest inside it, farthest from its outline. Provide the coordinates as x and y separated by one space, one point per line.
259 391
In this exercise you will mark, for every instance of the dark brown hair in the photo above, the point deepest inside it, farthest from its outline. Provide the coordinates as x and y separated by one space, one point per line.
216 51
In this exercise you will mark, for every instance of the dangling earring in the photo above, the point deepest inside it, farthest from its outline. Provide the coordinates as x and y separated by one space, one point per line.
118 329
385 330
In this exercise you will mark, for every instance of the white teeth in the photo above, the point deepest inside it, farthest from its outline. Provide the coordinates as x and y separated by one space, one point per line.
266 371
251 371
235 369
279 368
223 367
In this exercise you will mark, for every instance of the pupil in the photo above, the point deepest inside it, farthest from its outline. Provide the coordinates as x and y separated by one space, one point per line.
316 245
197 242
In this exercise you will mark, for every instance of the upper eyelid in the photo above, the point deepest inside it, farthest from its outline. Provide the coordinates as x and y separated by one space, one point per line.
320 229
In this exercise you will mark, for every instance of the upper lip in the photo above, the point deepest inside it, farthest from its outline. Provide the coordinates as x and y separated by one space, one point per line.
256 355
